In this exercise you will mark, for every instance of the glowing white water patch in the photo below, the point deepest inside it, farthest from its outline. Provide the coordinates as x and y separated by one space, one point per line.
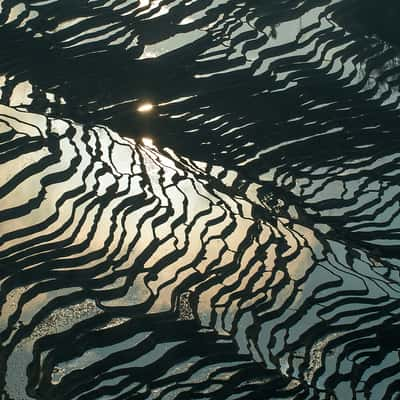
170 44
15 12
178 100
20 94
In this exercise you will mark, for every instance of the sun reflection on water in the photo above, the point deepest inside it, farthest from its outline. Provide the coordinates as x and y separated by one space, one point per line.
148 142
145 107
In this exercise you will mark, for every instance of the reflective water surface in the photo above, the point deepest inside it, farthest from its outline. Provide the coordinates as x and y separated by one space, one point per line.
199 199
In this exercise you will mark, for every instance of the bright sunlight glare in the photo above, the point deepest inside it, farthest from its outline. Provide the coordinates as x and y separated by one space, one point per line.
148 142
145 107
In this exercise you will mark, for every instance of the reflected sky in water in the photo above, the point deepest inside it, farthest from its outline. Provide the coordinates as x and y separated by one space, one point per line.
200 198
